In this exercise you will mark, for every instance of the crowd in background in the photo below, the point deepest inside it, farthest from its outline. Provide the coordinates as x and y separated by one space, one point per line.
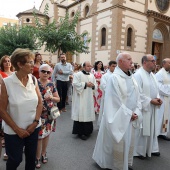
53 85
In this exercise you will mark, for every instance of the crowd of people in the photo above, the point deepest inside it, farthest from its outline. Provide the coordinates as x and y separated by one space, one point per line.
131 103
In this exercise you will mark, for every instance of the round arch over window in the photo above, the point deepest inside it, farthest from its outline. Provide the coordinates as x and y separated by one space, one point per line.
103 36
72 14
162 5
129 37
86 11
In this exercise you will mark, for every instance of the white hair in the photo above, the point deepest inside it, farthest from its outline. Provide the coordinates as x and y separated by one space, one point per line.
44 65
120 56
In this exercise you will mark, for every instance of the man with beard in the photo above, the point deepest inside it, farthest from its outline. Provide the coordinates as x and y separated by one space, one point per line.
62 70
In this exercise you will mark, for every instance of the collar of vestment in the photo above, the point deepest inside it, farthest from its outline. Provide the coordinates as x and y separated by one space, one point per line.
86 73
119 71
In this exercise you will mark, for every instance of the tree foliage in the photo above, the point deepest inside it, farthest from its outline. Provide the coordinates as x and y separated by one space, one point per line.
62 36
12 37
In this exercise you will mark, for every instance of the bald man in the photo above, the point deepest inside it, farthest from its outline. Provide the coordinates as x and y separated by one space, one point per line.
163 77
146 142
83 112
114 146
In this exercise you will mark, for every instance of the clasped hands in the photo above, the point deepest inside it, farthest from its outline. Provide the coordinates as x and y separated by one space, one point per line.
90 84
156 101
23 133
134 116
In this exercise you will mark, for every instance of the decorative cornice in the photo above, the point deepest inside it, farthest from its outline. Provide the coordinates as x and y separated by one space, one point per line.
158 16
69 6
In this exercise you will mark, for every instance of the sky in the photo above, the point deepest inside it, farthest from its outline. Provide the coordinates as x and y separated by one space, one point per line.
10 8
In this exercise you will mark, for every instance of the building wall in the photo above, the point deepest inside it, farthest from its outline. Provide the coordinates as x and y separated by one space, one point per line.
103 5
153 6
116 20
138 23
4 21
51 9
135 5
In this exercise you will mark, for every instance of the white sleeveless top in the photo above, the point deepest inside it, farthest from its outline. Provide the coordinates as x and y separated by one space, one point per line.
22 102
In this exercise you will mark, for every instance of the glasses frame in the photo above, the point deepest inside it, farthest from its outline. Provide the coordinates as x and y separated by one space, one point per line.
153 61
44 71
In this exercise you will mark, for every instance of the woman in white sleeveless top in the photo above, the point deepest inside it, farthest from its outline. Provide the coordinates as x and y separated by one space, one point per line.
21 107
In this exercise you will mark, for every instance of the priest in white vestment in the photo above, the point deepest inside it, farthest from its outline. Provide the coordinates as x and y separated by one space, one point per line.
83 112
146 141
163 78
114 145
103 82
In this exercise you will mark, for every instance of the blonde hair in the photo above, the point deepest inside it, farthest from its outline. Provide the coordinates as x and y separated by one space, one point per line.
21 55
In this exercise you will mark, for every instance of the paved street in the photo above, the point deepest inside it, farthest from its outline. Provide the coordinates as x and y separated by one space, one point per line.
67 152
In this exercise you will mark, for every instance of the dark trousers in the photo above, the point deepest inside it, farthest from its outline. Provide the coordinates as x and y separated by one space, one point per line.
14 149
62 87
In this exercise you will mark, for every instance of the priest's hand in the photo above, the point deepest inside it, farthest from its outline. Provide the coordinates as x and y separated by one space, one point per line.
89 84
134 116
156 102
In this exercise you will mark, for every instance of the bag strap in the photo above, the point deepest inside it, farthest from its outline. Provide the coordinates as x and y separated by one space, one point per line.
33 79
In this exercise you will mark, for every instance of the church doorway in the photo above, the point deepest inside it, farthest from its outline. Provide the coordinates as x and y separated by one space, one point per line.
157 45
157 52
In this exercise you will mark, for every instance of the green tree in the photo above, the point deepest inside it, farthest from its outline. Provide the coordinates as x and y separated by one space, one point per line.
62 36
12 37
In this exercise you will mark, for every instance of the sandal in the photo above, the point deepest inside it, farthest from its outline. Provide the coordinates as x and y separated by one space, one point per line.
37 164
44 159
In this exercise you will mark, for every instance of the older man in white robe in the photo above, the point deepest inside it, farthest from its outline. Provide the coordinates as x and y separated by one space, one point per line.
83 112
146 142
103 82
163 78
114 145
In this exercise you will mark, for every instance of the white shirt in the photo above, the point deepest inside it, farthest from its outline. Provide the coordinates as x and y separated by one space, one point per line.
22 104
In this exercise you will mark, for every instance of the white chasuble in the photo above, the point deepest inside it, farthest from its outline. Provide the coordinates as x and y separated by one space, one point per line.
82 99
103 83
114 145
146 141
163 78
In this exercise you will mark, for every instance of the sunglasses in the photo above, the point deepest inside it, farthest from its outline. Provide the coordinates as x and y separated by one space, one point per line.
44 71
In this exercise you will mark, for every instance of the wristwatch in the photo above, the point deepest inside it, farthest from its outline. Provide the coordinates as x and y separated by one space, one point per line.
37 121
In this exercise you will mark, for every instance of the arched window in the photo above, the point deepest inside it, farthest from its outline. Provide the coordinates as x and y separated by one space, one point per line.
86 11
72 14
103 35
129 37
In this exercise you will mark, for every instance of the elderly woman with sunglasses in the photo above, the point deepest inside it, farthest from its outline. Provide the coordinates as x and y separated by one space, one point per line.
50 97
21 108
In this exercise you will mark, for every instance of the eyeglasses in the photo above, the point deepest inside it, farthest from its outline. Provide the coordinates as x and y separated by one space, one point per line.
153 61
30 62
44 71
